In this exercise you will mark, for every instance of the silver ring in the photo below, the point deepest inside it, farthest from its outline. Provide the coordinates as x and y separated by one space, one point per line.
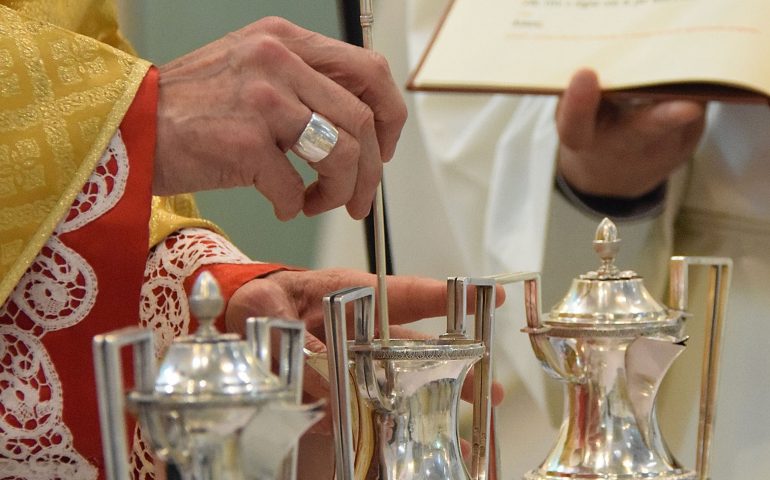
317 139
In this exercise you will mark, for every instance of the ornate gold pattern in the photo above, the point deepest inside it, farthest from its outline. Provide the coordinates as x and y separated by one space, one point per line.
170 214
93 18
63 97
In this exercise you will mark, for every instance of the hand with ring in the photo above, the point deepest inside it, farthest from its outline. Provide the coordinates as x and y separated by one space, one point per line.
230 111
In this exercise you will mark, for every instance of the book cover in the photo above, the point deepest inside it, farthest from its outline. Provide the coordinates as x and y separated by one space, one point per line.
703 49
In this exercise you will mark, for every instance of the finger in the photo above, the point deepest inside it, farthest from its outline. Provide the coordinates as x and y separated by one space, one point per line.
315 384
378 90
357 160
367 181
577 110
414 298
349 175
399 332
364 73
691 134
314 344
280 183
497 392
337 175
665 117
344 178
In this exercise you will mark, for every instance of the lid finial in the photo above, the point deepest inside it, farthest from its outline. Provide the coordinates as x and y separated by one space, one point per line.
607 245
206 304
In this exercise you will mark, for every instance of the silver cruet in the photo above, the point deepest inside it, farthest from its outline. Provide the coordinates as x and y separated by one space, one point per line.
612 343
211 407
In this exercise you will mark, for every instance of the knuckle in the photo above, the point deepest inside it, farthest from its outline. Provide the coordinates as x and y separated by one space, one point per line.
380 66
362 118
269 51
264 96
401 113
348 156
263 56
275 25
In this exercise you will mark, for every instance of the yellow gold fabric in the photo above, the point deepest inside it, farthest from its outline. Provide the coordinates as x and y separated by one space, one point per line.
63 96
169 214
93 18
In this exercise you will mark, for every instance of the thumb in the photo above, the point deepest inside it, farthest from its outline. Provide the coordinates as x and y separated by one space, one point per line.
577 110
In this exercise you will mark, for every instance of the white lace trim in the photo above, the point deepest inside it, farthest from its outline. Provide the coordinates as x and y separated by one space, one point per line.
52 469
103 190
27 388
164 305
57 291
142 461
36 443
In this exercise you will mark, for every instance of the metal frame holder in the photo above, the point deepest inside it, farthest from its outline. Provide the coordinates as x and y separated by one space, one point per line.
720 273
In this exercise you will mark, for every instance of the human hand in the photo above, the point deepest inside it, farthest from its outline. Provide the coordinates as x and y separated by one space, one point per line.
229 111
299 294
622 148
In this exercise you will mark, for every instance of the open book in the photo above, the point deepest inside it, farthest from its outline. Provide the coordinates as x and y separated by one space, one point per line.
713 49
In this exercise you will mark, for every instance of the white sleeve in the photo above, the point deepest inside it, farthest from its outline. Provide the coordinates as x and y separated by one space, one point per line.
492 159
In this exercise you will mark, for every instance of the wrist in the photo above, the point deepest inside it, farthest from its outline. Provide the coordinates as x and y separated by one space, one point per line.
613 174
231 277
645 205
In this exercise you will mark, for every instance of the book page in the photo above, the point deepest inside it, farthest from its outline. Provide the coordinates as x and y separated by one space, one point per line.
536 45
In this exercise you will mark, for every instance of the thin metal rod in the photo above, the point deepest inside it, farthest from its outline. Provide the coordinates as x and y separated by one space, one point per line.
378 208
380 261
367 20
720 272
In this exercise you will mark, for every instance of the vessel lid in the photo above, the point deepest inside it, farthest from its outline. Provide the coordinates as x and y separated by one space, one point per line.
608 297
209 363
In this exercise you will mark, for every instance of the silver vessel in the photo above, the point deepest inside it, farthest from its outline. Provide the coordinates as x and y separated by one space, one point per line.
612 343
211 392
411 388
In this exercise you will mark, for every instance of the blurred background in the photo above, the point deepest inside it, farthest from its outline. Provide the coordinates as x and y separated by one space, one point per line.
165 29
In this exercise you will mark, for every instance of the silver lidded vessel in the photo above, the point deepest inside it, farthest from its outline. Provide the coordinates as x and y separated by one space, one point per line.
612 343
210 392
410 389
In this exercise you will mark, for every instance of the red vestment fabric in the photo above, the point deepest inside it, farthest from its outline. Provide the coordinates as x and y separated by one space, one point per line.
115 247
